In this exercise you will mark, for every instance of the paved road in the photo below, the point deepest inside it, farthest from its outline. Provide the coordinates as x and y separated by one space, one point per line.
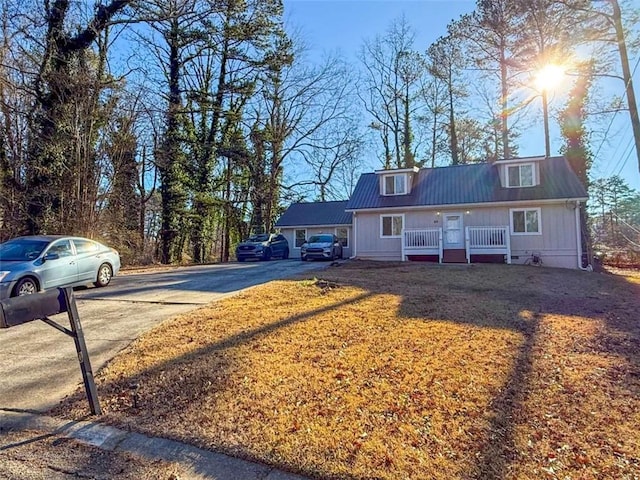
38 366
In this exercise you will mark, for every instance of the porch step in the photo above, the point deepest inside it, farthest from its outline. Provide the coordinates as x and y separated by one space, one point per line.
454 256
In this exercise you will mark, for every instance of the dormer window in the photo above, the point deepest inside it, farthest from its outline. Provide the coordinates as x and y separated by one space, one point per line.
395 184
520 175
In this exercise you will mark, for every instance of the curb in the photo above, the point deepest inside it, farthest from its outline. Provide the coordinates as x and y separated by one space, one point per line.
198 463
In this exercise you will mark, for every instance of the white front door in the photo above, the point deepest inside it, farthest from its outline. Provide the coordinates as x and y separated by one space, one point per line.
453 237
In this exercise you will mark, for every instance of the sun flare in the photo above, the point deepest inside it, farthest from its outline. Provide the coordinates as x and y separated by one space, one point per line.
549 77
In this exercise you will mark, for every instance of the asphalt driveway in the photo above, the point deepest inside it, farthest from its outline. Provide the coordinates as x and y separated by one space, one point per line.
38 364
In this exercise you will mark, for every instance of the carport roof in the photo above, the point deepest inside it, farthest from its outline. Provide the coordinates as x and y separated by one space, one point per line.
316 213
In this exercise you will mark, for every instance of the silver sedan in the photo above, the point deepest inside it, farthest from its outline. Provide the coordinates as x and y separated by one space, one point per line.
35 263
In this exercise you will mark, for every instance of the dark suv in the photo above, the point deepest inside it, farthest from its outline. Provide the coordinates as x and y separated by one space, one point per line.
263 246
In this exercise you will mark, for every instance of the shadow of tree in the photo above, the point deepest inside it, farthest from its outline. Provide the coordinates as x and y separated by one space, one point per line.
510 299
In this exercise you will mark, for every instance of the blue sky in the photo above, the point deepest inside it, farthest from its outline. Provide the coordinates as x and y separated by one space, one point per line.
342 25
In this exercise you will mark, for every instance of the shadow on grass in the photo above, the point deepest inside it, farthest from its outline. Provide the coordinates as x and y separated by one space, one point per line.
196 384
529 294
516 290
607 298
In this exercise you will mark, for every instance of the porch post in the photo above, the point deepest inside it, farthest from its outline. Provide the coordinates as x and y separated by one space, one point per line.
467 244
404 240
440 246
507 236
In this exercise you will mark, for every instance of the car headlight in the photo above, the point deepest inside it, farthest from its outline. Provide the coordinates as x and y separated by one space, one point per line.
259 248
3 274
303 249
326 249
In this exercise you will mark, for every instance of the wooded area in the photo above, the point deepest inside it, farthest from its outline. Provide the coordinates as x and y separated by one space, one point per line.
172 129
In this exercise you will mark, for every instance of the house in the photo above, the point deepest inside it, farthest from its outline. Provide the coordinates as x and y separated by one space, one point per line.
508 211
301 220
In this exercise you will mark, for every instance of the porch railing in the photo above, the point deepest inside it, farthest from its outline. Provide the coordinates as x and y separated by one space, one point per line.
488 241
423 241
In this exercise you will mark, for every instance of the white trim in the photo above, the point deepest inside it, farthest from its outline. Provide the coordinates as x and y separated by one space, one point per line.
538 210
521 160
355 222
294 238
465 206
398 170
335 231
391 215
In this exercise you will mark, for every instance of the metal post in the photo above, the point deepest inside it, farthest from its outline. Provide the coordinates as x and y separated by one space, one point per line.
83 354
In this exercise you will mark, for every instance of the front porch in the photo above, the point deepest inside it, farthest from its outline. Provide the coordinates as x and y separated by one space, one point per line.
428 243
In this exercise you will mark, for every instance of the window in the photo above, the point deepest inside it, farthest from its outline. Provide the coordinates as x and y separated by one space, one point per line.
85 246
343 236
525 221
391 225
395 184
520 175
300 237
62 248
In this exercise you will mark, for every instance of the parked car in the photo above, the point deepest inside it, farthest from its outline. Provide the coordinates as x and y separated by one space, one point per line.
262 247
35 263
322 247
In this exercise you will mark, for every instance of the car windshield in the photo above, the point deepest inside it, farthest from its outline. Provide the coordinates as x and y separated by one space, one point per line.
258 238
321 239
21 250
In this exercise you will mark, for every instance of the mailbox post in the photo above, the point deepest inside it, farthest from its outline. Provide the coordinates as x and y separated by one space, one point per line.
40 306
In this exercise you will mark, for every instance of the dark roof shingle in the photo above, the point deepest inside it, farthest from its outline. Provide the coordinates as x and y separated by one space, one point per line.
468 184
316 213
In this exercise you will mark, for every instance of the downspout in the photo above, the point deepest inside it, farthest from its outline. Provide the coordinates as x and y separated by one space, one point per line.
354 240
588 268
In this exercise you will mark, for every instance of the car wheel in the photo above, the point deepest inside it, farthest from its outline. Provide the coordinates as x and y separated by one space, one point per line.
341 254
26 286
285 255
303 258
267 254
104 275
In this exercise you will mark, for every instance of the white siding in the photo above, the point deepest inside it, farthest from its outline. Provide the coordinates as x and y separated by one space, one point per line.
369 244
556 245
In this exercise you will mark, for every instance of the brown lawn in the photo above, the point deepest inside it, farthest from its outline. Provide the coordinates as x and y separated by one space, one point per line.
400 371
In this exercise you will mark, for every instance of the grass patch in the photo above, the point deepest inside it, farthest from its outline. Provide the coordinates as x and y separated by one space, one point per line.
398 370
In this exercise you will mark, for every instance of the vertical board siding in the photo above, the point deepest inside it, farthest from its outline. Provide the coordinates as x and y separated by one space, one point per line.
556 245
370 245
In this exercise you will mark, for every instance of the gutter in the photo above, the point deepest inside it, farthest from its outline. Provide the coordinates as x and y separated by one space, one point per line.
469 205
588 268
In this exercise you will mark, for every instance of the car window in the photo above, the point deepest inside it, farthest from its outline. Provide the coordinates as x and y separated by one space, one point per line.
85 246
258 238
321 239
62 248
21 249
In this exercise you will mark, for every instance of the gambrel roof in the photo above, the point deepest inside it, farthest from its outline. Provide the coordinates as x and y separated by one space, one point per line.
470 184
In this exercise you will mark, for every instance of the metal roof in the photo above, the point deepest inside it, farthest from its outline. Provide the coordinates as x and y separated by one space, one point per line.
468 184
316 213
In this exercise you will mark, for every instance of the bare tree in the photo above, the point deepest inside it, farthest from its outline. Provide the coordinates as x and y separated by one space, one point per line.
390 88
446 64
